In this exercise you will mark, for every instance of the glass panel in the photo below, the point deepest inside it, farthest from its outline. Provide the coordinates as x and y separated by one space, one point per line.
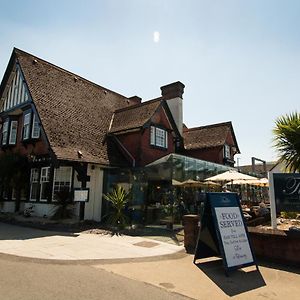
160 137
13 132
35 128
62 182
26 126
4 133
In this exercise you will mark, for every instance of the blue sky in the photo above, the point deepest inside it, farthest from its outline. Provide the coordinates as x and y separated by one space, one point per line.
239 60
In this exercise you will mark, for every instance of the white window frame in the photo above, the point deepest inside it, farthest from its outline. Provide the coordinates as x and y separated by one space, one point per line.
13 134
34 179
227 151
60 182
5 130
44 179
158 137
26 126
35 133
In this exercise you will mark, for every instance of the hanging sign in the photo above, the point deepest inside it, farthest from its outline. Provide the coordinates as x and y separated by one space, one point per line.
224 233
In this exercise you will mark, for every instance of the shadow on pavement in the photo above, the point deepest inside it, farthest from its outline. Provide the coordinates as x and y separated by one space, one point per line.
15 232
238 282
150 231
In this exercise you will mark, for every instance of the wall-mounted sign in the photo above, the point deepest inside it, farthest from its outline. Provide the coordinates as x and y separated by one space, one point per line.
224 233
287 191
81 195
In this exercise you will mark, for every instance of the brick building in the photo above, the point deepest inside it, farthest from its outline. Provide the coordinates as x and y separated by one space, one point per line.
79 136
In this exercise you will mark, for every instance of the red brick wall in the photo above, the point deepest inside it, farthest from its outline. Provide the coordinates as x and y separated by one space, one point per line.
138 143
210 154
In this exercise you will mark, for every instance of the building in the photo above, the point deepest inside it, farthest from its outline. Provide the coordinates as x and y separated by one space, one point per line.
81 137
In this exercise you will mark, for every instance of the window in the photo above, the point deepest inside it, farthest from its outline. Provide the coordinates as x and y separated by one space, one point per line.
45 183
13 132
62 180
34 184
26 126
5 132
226 151
158 137
35 134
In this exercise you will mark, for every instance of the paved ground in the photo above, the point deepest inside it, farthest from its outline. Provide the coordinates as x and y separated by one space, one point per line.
21 279
156 263
208 281
35 243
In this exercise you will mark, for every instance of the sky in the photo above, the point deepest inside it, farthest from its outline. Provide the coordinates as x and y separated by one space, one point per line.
239 60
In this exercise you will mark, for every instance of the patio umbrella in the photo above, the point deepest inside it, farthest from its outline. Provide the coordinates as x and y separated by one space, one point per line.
258 182
212 183
176 182
191 183
230 175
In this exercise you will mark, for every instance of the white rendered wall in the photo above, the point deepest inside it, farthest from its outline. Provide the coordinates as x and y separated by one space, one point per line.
175 106
93 207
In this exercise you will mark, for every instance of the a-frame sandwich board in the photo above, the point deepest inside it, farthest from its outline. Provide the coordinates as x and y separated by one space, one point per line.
223 232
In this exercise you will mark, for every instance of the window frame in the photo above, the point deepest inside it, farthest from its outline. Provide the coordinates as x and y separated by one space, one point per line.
60 185
4 139
158 137
36 181
35 126
44 182
25 114
11 130
226 151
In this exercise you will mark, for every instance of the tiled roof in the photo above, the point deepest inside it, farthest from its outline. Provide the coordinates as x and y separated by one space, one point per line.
75 113
206 136
134 116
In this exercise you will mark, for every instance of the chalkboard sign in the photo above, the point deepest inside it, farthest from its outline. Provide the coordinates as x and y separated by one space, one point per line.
224 233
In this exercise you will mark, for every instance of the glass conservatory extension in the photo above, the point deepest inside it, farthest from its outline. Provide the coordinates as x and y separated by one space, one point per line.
156 195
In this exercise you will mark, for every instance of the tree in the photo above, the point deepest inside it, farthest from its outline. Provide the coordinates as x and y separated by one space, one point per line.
287 140
14 174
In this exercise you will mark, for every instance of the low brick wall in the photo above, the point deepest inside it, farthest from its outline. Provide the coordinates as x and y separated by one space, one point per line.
273 245
276 245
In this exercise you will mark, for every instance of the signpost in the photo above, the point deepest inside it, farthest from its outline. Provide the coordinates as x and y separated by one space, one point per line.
224 233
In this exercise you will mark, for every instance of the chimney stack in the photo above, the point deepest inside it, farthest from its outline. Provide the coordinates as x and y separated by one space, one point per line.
135 100
172 93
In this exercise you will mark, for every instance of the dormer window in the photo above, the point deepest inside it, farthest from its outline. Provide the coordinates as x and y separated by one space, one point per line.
31 126
159 137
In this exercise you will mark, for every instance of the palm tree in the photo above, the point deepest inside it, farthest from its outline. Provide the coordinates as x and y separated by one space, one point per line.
118 199
287 140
